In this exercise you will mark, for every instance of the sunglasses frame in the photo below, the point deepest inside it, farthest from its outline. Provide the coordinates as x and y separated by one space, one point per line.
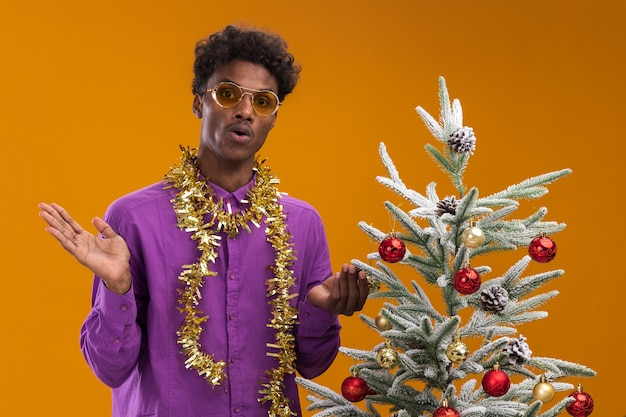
244 90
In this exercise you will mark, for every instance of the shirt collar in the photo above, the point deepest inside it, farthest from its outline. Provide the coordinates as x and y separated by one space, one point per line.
236 196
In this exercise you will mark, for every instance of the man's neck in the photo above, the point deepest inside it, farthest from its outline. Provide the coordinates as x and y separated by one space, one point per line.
230 177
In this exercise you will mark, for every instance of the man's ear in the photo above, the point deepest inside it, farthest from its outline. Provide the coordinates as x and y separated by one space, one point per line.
197 106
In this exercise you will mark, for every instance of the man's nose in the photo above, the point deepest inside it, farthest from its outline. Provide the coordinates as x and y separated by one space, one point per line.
245 108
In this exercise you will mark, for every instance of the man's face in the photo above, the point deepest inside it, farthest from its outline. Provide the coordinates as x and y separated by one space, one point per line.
231 137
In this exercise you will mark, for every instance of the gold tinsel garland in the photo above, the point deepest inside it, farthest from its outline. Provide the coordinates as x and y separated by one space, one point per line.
192 203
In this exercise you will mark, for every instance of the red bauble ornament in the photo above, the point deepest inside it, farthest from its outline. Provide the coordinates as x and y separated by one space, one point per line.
354 388
542 249
445 411
496 382
467 281
392 249
582 405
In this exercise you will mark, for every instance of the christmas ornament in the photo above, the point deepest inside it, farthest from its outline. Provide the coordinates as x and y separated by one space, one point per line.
543 391
445 411
518 351
354 388
382 323
387 357
473 236
542 249
466 280
447 205
373 284
463 140
582 405
494 298
496 382
457 351
392 249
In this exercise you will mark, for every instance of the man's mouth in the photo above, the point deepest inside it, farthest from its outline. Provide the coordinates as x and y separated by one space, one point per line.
240 132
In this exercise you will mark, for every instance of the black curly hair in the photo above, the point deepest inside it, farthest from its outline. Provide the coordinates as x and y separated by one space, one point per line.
259 47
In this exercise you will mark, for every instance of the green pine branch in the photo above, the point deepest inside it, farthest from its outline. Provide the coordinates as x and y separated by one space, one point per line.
432 230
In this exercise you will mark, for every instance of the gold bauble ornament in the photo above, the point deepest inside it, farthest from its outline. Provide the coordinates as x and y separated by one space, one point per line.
543 391
373 284
382 323
457 351
387 357
473 236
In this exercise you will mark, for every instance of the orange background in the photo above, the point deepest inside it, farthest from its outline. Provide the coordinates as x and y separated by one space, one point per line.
96 100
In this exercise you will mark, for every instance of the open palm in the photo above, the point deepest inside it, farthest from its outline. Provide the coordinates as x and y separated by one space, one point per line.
106 256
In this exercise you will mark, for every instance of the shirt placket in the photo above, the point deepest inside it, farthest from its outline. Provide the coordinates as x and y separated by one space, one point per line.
233 283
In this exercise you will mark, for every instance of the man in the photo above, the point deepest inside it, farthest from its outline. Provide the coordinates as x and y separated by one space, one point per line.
211 287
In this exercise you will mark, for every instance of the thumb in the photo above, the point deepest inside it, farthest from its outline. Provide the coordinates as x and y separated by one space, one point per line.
314 295
320 295
103 228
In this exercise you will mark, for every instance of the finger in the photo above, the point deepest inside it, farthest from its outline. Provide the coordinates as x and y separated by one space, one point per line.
66 239
57 226
364 290
73 224
344 302
335 294
103 228
50 215
53 215
46 213
353 292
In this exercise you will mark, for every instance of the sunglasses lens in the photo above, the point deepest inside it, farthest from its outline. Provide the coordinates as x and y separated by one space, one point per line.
227 95
265 103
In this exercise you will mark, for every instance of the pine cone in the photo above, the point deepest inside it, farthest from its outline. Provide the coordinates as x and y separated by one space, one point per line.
447 205
494 298
518 351
463 140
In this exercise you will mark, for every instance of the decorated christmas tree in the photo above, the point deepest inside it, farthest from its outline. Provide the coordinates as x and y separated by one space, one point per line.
422 365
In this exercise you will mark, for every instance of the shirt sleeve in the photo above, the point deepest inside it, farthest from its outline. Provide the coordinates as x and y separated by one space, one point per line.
318 340
111 335
318 330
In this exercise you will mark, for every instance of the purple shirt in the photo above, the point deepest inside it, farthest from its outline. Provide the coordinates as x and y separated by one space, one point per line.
130 340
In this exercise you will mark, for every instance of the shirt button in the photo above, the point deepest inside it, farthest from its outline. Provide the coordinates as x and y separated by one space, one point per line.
123 307
237 409
231 276
233 360
231 317
116 340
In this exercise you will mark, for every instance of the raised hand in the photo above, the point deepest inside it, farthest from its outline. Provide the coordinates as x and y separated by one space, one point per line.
343 293
106 256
